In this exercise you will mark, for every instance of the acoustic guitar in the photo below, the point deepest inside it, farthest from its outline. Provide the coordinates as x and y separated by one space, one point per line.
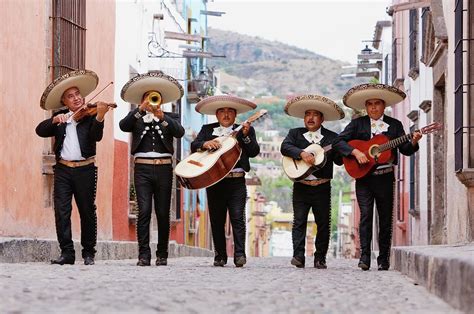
379 151
298 169
203 169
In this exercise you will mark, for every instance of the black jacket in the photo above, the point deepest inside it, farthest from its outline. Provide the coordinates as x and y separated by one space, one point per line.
248 150
172 128
359 129
294 143
89 131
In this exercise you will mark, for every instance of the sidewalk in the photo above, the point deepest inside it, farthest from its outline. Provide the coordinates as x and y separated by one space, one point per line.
445 270
18 250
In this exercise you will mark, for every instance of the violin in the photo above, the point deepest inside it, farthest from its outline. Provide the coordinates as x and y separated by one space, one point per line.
88 110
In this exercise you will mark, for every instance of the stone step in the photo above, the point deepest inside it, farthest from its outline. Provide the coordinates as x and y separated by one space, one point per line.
445 270
18 250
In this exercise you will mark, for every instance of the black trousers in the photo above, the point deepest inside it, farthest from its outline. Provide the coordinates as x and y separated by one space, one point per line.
228 194
317 198
153 182
378 188
82 183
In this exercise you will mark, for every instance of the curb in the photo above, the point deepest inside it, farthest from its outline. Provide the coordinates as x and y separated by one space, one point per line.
445 270
20 250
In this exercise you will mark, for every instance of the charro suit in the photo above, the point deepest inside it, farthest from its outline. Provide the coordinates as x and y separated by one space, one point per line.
229 193
78 181
153 181
374 187
306 197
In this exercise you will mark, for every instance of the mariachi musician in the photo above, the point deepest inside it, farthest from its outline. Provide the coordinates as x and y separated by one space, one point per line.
314 191
229 193
378 185
76 133
153 131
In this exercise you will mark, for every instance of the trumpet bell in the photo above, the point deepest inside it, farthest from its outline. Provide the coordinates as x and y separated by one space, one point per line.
154 99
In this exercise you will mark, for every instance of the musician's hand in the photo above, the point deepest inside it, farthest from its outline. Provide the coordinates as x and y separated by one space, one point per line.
212 145
360 156
102 109
307 158
145 106
245 129
158 113
60 118
416 137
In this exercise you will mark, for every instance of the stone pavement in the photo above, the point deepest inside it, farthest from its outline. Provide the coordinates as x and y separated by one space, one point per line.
193 285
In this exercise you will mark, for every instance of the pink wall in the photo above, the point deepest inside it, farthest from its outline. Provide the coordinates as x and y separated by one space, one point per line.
26 55
23 77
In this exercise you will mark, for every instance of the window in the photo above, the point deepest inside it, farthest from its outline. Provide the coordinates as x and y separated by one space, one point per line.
413 40
428 38
394 61
463 78
69 36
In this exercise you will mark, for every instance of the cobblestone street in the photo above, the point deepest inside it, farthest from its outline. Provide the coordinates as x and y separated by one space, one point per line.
193 285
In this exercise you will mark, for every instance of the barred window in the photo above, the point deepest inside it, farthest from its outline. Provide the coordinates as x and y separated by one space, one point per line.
69 36
413 40
463 80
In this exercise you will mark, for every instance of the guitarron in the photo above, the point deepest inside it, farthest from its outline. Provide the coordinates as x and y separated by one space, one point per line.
203 169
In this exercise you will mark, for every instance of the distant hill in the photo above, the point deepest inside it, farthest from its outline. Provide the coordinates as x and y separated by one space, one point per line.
258 67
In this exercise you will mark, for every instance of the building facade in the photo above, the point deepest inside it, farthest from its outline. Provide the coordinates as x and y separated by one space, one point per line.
51 38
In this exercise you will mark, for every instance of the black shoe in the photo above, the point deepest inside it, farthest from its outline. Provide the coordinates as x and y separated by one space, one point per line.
240 261
219 262
63 260
363 265
143 262
320 264
384 267
89 260
298 261
161 261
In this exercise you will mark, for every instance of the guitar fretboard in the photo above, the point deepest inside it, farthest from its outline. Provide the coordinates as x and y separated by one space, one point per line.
396 142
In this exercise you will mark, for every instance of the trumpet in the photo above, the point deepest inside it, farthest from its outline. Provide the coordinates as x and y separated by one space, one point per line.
154 99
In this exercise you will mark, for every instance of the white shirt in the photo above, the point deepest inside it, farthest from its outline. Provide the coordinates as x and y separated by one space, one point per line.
71 149
222 130
313 136
378 126
152 155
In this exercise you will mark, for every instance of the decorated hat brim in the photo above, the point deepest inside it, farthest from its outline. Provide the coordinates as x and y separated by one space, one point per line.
356 97
169 88
297 107
86 81
210 104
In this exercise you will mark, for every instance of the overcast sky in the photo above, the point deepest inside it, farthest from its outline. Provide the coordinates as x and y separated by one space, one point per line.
333 28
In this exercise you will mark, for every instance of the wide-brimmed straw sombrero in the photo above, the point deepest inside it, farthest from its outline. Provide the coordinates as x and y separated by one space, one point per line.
356 97
86 81
167 86
297 107
210 104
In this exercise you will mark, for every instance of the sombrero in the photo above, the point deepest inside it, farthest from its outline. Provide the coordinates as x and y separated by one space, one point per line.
210 104
356 97
167 86
297 107
86 81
